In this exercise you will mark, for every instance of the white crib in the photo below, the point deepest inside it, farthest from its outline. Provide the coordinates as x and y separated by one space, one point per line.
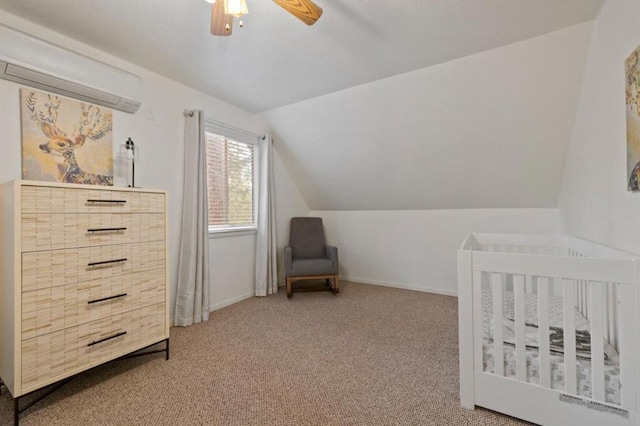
548 329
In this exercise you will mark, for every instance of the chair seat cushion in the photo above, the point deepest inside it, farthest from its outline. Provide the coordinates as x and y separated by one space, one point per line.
301 267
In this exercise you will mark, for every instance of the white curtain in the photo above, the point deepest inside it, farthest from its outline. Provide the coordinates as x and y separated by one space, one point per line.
192 301
266 262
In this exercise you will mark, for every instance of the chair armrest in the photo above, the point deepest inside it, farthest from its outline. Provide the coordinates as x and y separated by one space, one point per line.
331 252
288 261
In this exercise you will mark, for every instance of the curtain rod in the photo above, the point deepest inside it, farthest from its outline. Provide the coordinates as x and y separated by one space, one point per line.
223 126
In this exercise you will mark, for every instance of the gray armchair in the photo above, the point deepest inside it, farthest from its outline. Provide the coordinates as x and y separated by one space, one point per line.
308 256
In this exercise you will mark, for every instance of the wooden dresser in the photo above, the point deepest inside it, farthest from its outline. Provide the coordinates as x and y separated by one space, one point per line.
83 278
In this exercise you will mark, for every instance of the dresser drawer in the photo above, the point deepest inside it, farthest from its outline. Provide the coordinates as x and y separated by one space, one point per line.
44 199
42 231
55 308
56 355
51 268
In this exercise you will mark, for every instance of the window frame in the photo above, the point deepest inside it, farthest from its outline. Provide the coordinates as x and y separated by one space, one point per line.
228 230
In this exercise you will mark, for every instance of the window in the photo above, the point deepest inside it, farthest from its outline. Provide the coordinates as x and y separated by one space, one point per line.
231 169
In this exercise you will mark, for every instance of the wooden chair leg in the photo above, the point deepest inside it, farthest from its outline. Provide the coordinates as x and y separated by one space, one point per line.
331 281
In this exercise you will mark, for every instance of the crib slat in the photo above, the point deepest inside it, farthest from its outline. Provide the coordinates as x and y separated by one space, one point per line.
543 328
596 296
580 298
569 315
498 352
532 284
585 303
521 356
612 314
585 294
626 347
608 297
508 283
477 321
529 284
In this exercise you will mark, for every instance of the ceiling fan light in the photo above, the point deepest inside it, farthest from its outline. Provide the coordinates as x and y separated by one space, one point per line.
236 8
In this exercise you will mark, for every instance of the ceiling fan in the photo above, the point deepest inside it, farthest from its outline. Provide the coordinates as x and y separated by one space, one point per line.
223 12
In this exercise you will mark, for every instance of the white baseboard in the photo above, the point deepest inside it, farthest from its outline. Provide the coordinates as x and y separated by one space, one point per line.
223 304
402 286
231 301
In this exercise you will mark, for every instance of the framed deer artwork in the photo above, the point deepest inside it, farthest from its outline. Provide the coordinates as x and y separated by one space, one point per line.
64 140
632 92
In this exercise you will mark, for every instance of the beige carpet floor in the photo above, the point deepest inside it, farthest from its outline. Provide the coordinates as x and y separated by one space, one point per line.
370 356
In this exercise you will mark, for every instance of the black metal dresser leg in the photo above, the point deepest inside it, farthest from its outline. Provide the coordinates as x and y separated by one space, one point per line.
16 411
16 401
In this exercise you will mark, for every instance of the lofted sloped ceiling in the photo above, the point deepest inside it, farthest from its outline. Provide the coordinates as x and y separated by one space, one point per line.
383 104
276 60
489 130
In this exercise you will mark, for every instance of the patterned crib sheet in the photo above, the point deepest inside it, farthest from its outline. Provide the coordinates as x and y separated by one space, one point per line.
583 366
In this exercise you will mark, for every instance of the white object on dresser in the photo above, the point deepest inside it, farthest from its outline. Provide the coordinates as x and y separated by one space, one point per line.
83 278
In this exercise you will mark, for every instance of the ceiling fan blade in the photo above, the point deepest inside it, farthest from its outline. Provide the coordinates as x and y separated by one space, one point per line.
221 23
305 10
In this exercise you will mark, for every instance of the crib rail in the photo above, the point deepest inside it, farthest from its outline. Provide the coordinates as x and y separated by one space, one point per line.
607 270
598 282
515 243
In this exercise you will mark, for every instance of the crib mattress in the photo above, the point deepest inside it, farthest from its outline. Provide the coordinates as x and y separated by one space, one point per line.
583 366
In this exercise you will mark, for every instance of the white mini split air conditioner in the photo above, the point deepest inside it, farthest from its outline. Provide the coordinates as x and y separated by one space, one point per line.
36 63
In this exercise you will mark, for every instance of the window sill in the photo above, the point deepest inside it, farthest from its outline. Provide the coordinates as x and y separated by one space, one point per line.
231 232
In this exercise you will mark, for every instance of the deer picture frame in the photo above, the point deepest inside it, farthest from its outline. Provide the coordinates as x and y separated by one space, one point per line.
64 140
632 94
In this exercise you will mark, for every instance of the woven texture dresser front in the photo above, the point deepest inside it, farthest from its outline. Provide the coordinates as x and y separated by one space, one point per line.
91 278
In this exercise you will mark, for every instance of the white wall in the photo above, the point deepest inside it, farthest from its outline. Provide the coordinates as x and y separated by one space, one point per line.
489 130
232 268
162 153
417 249
403 168
289 203
594 202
